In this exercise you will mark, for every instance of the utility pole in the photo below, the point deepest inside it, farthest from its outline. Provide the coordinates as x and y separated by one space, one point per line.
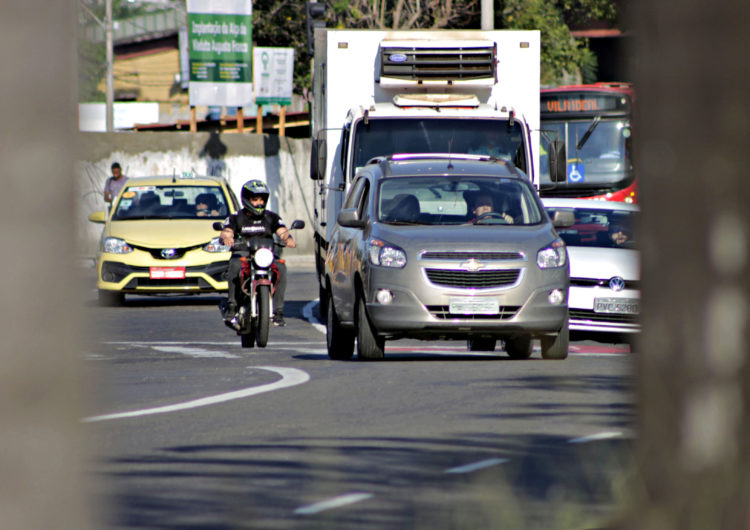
488 15
110 93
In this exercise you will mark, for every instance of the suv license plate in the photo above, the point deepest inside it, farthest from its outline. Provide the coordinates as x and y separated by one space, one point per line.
470 305
626 306
166 273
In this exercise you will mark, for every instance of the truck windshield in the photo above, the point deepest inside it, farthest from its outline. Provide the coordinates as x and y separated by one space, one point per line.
387 136
603 164
440 200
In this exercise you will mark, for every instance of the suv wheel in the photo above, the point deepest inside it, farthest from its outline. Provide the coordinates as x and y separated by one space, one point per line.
556 346
340 341
370 347
481 344
518 347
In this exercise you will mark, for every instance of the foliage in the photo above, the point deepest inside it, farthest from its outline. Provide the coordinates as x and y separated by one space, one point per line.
282 23
404 14
561 53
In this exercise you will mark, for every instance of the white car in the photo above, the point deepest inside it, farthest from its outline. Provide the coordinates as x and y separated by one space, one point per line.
605 275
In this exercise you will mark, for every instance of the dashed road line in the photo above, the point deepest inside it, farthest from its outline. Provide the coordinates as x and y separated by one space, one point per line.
335 502
607 435
482 464
289 377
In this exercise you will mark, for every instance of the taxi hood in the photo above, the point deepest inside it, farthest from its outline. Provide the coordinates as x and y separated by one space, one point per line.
158 233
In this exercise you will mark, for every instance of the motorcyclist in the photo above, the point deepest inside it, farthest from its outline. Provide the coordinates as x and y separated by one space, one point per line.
254 220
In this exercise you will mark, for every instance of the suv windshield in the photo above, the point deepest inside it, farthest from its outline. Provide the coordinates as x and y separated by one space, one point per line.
598 228
444 200
171 202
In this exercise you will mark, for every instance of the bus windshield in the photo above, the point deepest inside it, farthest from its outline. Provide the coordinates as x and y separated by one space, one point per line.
596 165
387 136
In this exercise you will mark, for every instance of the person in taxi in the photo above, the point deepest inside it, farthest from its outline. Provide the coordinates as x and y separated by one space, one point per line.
254 220
205 205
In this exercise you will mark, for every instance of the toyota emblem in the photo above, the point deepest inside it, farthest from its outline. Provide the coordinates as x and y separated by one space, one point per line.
617 283
168 253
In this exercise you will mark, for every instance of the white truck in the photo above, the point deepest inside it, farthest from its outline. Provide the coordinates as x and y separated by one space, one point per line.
377 93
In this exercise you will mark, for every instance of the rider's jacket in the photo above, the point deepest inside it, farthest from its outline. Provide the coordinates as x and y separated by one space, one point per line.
246 226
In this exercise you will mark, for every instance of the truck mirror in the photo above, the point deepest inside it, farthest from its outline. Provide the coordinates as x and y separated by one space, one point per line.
557 161
315 15
318 159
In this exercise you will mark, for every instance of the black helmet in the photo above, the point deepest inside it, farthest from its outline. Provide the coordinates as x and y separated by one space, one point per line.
255 188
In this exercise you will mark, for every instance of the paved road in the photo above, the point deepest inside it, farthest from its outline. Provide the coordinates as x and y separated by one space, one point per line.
190 430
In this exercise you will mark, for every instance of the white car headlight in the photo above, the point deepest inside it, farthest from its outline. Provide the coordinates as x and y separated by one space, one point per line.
263 258
115 245
552 256
215 245
384 254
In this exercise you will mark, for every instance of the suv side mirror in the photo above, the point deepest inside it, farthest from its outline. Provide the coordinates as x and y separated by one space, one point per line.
349 217
557 161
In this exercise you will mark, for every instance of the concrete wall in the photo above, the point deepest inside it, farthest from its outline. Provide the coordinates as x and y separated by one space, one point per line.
283 163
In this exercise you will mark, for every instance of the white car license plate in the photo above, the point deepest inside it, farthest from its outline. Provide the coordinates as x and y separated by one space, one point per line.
626 306
471 305
166 273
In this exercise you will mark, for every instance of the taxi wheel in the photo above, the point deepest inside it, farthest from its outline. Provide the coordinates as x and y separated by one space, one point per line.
111 298
518 347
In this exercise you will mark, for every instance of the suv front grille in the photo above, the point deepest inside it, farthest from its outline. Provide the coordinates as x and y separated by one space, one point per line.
473 279
463 256
443 313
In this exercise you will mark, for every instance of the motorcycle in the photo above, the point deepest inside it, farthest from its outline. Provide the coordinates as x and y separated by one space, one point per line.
258 279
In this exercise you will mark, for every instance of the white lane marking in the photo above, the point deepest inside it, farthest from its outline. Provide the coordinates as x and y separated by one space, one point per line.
595 437
468 468
335 502
195 352
289 377
307 312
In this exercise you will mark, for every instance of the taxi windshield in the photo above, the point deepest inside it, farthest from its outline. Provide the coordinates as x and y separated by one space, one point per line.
171 202
444 200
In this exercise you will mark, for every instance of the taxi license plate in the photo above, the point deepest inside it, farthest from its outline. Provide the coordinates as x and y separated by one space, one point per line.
470 305
624 306
166 273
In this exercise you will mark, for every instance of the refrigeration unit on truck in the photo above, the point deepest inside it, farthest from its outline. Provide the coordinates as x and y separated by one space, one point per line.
377 93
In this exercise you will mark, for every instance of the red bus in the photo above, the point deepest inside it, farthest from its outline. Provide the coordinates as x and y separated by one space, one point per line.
594 121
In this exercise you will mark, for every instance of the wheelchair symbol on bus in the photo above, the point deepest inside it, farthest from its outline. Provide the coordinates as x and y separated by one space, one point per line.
576 171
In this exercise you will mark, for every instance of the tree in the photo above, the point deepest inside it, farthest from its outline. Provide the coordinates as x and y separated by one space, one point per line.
561 53
404 15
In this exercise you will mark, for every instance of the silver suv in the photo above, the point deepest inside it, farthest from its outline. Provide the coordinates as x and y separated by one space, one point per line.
445 247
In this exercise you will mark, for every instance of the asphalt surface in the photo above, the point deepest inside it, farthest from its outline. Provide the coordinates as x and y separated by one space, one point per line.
187 429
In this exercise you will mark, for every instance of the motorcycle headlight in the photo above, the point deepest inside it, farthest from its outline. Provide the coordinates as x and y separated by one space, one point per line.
115 245
384 254
215 245
552 256
263 258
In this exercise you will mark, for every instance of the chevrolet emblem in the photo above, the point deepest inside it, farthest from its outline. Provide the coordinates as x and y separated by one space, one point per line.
472 265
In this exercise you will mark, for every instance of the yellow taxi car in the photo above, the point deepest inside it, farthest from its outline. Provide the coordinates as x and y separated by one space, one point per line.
158 238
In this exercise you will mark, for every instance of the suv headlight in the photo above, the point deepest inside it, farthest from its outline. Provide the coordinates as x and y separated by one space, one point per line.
115 245
215 245
552 256
384 254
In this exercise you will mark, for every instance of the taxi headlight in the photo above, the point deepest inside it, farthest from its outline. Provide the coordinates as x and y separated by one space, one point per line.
215 245
263 258
115 245
552 256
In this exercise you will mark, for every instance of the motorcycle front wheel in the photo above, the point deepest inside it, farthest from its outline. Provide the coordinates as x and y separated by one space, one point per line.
263 299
